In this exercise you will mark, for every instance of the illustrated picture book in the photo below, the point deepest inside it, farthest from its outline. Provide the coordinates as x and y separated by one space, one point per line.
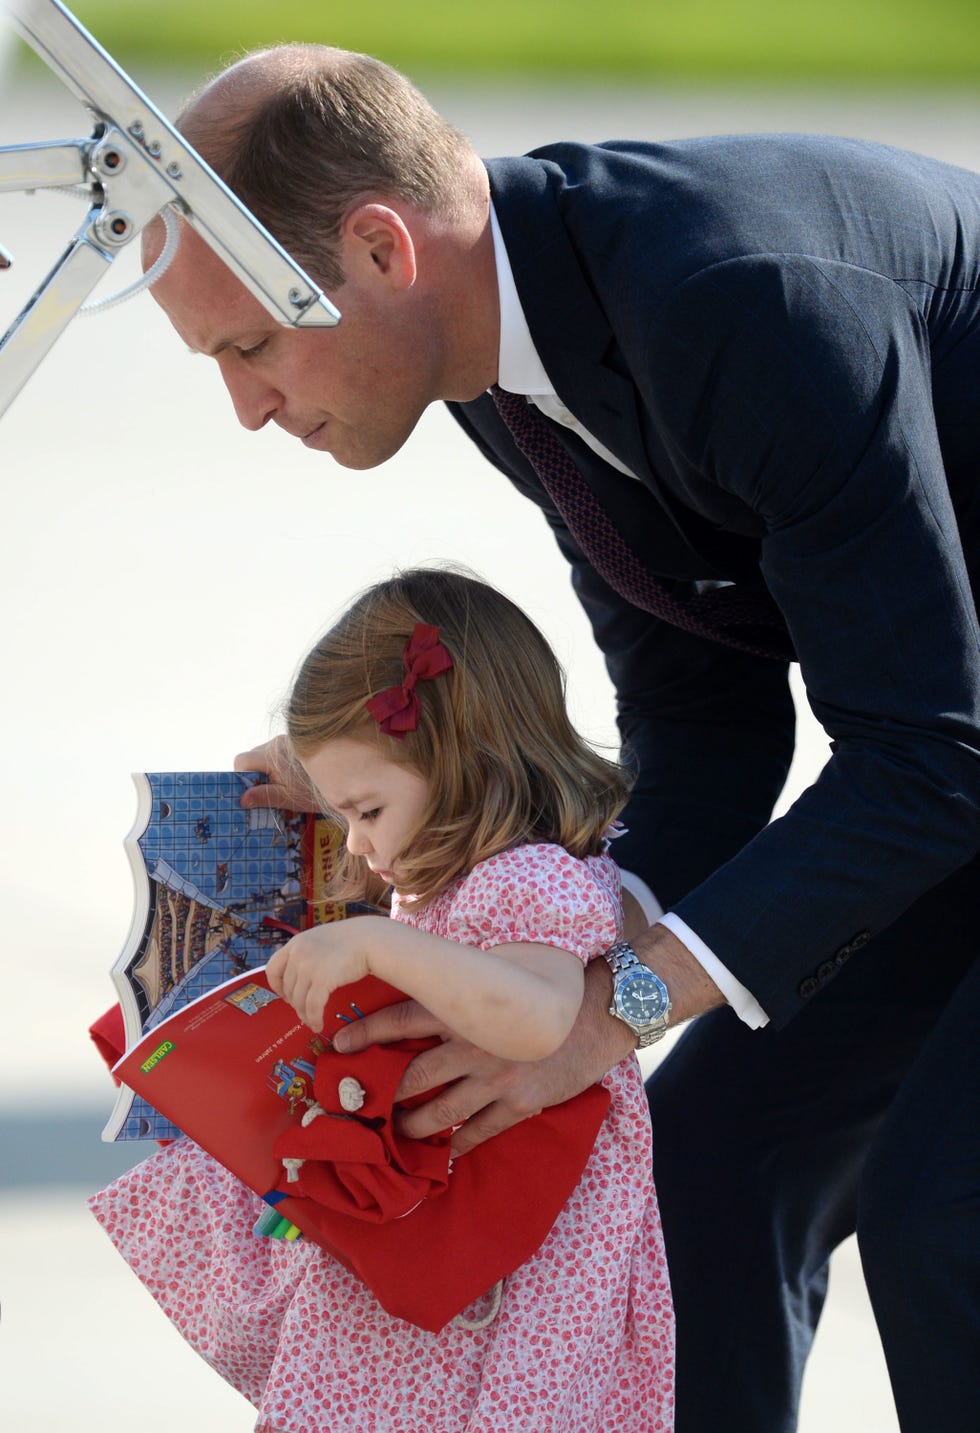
233 1069
218 889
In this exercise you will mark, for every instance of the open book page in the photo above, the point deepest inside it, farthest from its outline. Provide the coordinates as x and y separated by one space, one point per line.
217 889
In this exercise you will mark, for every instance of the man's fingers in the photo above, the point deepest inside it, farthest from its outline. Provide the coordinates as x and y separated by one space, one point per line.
269 756
483 1126
445 1064
269 794
492 1098
405 1021
477 1095
288 785
253 760
461 1107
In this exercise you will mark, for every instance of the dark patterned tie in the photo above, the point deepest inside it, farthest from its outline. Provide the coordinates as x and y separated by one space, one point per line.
749 621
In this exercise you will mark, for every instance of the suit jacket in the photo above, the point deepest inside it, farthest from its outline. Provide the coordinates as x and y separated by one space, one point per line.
780 336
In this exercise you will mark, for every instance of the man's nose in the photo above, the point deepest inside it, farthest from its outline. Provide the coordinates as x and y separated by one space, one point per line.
255 399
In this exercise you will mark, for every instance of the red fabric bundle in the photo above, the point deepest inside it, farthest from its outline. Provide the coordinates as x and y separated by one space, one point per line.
428 1238
109 1036
356 1163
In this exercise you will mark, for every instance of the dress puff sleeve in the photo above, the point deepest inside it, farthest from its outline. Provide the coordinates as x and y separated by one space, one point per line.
542 894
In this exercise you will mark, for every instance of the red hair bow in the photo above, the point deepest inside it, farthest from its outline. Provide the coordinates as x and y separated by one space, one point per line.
397 709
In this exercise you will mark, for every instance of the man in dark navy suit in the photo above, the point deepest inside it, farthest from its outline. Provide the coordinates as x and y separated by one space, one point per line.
761 355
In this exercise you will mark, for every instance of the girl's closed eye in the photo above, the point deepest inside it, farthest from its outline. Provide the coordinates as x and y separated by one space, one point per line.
371 815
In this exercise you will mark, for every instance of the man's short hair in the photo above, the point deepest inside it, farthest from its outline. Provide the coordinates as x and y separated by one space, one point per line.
328 128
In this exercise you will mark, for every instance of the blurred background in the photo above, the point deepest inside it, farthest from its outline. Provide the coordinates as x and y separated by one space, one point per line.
162 571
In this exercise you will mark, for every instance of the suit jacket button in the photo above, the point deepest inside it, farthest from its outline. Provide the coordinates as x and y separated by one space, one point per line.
825 971
809 987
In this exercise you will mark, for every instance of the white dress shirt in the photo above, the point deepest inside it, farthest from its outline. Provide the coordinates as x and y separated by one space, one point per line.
520 370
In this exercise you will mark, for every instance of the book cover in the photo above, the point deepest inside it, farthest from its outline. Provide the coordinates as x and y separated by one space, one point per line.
217 889
231 1069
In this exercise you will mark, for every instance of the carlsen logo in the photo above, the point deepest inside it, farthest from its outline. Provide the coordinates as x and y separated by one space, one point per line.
157 1056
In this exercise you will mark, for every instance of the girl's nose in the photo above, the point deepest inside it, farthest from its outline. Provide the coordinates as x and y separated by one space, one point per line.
357 842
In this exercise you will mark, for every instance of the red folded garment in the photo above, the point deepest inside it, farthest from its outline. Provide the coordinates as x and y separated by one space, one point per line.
357 1163
109 1036
427 1237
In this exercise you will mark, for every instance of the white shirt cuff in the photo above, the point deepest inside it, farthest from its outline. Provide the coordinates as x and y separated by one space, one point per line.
742 1001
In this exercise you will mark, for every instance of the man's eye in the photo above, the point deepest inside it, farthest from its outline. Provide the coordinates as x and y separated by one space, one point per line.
255 350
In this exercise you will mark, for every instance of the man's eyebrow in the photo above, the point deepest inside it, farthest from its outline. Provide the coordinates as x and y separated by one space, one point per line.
215 348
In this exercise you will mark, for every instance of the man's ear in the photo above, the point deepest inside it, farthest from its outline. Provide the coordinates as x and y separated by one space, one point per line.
378 244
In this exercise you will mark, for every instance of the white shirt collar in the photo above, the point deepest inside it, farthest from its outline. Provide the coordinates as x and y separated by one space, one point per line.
519 368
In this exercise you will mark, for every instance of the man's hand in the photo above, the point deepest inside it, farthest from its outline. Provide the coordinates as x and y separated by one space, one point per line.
288 785
485 1095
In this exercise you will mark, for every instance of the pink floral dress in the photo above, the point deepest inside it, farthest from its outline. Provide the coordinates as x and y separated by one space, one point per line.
583 1341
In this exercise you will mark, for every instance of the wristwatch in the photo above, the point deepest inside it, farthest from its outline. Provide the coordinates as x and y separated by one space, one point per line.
640 998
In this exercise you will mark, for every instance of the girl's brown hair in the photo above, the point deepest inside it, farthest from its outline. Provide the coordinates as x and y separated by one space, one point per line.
494 739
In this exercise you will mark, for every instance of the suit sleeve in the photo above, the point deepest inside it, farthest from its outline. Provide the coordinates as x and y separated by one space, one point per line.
709 730
821 421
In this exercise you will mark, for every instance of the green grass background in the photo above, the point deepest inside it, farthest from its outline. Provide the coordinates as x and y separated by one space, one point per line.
867 41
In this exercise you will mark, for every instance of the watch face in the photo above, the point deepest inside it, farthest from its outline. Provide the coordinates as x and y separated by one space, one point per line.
641 999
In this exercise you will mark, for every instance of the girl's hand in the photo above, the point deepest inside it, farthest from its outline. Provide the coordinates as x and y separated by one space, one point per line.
310 967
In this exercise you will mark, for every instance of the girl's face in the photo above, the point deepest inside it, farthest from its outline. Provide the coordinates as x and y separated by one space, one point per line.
379 800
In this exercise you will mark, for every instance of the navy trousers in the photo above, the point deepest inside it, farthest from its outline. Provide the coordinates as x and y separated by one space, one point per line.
771 1146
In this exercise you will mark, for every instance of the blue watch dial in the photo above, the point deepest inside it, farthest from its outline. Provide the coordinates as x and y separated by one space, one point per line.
641 999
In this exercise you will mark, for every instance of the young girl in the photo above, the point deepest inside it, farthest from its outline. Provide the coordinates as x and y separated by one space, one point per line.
431 720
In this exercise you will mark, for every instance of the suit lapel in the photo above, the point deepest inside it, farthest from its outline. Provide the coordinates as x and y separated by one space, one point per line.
580 354
570 330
